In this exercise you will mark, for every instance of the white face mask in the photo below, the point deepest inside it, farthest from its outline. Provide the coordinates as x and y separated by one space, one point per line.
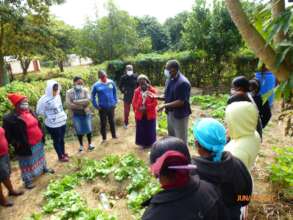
167 73
78 87
129 73
24 105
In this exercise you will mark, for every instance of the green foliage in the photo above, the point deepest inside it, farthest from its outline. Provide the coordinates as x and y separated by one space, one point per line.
162 128
282 169
216 104
64 202
150 27
111 37
175 26
213 31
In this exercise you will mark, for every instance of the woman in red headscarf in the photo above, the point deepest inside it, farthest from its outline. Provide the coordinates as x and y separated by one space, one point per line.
24 132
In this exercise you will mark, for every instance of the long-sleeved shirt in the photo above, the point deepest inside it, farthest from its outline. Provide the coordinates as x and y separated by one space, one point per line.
106 93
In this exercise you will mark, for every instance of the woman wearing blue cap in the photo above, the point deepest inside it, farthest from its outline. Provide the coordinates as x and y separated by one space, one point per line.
220 168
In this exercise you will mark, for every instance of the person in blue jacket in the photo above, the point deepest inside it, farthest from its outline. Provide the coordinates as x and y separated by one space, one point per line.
105 90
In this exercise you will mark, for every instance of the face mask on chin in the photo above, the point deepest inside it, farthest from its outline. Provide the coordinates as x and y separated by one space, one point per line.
24 106
167 73
103 79
129 73
144 88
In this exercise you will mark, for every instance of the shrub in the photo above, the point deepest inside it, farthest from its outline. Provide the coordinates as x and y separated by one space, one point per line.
282 170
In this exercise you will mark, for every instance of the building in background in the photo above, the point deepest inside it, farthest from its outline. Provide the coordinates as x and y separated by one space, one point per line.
14 65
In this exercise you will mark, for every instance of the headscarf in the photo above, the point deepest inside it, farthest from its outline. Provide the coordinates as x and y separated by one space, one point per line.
211 135
142 76
15 98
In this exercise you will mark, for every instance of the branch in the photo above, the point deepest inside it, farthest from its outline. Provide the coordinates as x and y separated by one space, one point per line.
255 41
278 7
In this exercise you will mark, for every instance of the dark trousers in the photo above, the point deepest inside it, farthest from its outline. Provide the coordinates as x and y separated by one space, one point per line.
127 107
104 115
57 135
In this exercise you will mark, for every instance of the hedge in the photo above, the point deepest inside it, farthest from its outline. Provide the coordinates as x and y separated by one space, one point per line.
197 66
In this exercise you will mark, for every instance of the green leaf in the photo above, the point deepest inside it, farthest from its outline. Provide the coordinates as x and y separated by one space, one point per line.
281 57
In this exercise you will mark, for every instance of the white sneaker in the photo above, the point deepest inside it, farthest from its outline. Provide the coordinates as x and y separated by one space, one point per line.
91 147
125 126
80 149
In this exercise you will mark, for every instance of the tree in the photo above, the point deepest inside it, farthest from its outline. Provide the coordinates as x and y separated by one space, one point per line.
63 39
12 19
110 37
214 32
197 26
175 26
256 41
150 27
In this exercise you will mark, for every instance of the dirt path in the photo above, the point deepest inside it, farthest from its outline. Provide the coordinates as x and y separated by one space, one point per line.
31 201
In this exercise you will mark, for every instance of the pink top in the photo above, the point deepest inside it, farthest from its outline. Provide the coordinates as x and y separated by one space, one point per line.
3 143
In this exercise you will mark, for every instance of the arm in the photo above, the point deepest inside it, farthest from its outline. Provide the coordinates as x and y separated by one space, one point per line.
134 102
84 102
93 97
40 108
183 93
7 129
154 102
265 114
121 85
115 92
69 103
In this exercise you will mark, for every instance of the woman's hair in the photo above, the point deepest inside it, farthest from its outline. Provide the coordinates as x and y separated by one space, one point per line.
241 82
76 78
166 144
102 72
254 85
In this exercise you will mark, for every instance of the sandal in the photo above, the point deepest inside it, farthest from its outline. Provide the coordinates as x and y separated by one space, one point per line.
16 193
7 203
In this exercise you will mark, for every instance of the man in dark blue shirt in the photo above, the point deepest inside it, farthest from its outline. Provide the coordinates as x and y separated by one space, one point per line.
177 106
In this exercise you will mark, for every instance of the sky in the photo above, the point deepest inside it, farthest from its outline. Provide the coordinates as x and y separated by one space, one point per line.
75 12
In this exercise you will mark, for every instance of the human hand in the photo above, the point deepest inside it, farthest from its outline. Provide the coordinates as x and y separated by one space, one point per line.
161 108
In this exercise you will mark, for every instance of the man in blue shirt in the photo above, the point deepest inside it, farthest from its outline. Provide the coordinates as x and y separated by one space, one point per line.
177 106
106 91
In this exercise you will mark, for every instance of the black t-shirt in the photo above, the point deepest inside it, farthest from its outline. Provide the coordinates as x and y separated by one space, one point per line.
127 86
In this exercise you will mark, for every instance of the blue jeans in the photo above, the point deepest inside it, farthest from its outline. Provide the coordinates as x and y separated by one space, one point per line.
57 135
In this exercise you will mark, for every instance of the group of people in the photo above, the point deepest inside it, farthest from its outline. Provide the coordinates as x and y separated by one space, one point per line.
217 184
203 187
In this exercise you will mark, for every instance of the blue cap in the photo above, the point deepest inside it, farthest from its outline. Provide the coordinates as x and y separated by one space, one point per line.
211 135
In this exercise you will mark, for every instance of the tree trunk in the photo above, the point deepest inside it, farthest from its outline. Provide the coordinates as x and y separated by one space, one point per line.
3 73
255 41
278 7
25 63
61 66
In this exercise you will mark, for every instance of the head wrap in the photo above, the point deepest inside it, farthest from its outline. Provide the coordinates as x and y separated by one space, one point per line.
15 98
211 135
142 76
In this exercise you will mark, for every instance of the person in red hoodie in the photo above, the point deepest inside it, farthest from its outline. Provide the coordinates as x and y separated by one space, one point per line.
5 171
145 110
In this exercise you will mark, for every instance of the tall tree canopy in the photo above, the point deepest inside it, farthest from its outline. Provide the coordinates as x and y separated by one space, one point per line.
112 36
20 22
150 27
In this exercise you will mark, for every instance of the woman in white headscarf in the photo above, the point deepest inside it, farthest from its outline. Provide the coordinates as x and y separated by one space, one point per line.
50 106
